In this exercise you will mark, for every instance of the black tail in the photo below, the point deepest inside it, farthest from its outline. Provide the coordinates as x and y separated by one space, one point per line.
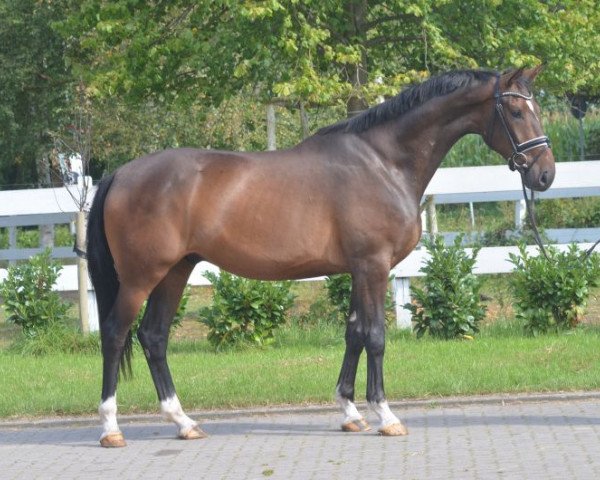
102 269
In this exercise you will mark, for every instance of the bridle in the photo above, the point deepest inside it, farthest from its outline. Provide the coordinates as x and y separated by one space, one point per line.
517 160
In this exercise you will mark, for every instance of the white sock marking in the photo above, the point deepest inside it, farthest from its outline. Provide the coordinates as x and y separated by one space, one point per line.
386 417
108 416
350 412
171 409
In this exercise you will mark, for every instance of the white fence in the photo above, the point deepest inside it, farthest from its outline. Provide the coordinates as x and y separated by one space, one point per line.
449 185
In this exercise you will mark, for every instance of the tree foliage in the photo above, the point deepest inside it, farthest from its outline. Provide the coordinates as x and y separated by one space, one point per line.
169 67
34 86
325 51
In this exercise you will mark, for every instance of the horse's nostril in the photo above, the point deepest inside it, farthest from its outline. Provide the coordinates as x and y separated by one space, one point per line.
544 178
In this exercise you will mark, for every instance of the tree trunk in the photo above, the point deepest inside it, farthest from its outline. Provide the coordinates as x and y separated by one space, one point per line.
82 273
304 121
357 74
44 180
271 127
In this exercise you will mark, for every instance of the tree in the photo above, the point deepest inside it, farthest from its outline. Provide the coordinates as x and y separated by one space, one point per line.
35 85
326 51
160 72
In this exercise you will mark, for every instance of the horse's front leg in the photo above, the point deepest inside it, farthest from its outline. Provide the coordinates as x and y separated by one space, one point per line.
366 327
353 421
390 425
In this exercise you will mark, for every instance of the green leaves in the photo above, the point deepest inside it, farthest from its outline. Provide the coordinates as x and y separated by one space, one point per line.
448 306
551 295
210 49
28 296
245 311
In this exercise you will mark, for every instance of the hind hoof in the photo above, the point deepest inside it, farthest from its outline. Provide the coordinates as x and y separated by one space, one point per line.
359 425
193 433
113 440
393 430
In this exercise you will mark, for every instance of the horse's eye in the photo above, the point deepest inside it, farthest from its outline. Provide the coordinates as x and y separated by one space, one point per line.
516 113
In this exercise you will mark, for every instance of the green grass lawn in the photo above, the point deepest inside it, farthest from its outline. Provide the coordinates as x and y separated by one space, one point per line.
303 367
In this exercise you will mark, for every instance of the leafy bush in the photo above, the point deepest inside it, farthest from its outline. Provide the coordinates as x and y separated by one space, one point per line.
592 143
320 313
552 295
245 311
339 290
28 237
57 338
448 306
28 296
570 212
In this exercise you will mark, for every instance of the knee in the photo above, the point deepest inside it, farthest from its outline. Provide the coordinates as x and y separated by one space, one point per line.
375 342
355 341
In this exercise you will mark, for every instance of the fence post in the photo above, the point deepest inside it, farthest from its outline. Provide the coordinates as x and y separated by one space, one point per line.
12 242
82 273
520 213
432 225
401 297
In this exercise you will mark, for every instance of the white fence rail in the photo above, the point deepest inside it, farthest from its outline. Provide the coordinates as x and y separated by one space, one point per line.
449 185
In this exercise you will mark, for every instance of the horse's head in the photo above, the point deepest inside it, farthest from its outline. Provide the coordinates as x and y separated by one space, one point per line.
515 131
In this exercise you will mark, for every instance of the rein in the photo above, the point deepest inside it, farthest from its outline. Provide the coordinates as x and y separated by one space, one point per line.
529 202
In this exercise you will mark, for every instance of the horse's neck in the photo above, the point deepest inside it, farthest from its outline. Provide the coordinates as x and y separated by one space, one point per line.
417 142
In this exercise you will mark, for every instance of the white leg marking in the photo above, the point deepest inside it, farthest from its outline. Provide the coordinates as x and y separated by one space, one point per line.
171 409
350 412
386 417
352 317
108 416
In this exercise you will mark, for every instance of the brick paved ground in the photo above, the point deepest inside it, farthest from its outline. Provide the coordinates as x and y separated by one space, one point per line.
552 439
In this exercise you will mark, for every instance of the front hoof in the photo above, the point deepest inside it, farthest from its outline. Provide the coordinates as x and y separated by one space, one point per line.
193 433
393 430
113 440
359 425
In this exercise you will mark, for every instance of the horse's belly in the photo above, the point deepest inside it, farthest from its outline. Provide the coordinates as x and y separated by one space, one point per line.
273 262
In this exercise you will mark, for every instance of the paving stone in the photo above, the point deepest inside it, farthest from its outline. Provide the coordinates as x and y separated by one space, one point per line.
551 439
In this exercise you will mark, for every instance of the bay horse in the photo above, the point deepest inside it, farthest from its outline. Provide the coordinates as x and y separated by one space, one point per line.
345 200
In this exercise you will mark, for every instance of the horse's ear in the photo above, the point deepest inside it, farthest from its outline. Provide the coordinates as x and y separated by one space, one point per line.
531 73
514 75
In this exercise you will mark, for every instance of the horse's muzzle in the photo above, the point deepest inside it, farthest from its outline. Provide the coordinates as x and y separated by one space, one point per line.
541 174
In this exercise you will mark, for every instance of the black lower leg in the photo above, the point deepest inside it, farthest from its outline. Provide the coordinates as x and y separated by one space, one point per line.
375 346
154 329
354 348
155 350
113 347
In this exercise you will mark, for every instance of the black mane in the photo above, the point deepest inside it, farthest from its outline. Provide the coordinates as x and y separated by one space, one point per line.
408 99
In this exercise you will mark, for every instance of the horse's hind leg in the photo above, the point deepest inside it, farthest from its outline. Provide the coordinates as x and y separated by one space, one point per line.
115 332
154 335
